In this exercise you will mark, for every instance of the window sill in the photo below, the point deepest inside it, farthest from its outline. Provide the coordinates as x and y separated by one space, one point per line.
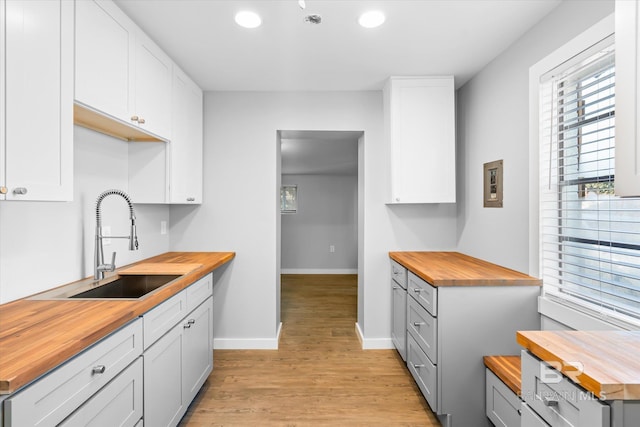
578 318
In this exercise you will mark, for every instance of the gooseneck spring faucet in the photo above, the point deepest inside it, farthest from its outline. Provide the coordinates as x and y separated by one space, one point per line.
99 266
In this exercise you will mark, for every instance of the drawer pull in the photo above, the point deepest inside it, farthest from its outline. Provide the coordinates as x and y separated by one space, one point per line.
418 366
417 290
418 324
98 369
191 321
549 402
186 325
396 287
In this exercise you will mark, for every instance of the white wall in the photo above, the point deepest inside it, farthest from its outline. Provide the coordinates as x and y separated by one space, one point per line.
493 113
48 244
241 205
327 215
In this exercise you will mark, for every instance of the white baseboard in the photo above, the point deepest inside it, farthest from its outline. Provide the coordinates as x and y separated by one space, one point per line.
248 343
319 271
373 343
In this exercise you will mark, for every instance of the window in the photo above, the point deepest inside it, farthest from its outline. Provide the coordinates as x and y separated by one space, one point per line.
289 199
590 239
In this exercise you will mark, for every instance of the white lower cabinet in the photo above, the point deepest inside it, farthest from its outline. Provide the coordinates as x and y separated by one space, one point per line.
502 404
178 363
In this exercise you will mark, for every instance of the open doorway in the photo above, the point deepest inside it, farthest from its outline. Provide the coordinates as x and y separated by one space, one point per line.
320 218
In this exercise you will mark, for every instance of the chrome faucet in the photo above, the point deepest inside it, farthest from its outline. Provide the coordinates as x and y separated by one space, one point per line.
99 266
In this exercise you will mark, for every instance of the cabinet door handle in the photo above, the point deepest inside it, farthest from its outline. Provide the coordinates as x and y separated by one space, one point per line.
20 191
98 369
134 118
418 324
549 402
191 199
418 366
191 321
417 290
186 325
396 287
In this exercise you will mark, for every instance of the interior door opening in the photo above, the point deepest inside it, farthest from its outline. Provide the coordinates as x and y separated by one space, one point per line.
320 213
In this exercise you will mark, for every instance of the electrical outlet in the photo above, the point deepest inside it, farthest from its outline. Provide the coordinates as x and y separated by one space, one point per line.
106 231
332 248
163 227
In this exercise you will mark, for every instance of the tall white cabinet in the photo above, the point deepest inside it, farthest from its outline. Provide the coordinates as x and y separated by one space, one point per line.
420 133
36 99
627 16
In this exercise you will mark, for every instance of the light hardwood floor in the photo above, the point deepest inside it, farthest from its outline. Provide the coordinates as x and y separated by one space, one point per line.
318 376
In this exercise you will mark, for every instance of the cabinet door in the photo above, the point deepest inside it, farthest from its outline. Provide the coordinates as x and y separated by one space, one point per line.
399 319
197 350
163 396
152 87
420 127
186 141
38 100
105 39
627 98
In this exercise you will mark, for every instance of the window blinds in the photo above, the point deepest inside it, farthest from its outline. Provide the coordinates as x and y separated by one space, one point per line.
590 239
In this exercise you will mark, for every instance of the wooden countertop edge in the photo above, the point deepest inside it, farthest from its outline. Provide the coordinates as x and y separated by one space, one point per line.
602 389
130 309
516 278
507 369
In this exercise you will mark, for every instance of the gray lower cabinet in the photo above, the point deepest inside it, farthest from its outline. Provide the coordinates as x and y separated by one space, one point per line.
119 403
450 329
399 308
86 381
553 399
145 373
178 363
503 406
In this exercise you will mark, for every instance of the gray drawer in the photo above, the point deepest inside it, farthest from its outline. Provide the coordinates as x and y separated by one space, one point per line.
559 401
423 371
529 418
423 292
502 404
119 403
424 328
163 317
199 291
52 398
399 274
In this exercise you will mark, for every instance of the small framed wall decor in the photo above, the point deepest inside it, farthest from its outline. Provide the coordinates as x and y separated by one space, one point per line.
493 184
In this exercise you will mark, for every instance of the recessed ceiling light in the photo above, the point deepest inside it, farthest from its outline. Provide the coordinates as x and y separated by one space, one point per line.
248 19
371 19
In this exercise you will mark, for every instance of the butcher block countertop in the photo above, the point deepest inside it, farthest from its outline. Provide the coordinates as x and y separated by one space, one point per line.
610 361
456 269
36 335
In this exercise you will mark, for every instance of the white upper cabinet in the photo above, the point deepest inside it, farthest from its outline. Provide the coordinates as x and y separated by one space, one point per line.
186 141
36 100
123 80
105 46
420 133
152 88
627 98
172 172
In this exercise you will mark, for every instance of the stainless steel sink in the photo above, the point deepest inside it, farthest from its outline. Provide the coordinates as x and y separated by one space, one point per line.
114 287
127 287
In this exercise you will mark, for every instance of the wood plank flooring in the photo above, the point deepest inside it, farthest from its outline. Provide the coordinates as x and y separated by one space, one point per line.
318 376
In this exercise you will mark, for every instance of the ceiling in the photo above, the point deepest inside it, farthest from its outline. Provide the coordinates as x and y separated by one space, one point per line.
419 37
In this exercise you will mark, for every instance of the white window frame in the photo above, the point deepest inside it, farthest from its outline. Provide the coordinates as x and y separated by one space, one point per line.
574 316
